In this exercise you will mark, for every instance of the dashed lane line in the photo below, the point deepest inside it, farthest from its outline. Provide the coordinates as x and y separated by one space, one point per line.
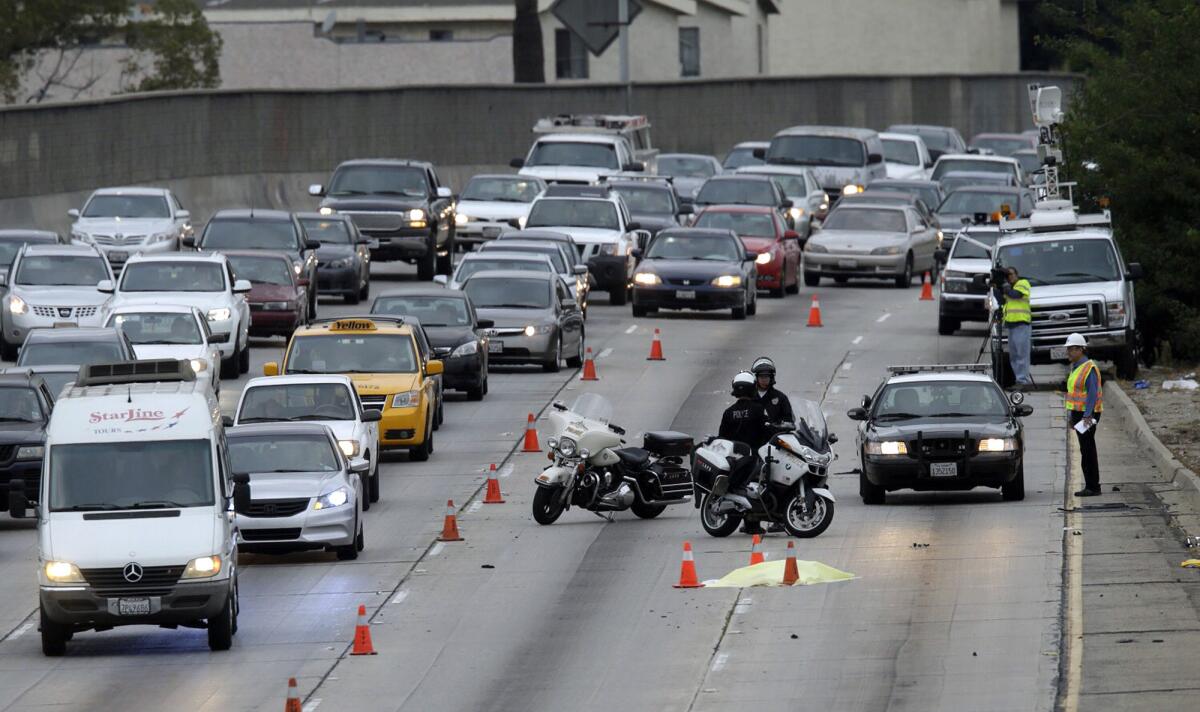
631 329
857 340
883 318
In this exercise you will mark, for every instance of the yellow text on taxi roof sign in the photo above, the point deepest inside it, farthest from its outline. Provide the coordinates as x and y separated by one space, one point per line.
353 325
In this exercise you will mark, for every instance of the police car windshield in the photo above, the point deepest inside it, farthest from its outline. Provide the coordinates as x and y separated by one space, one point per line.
565 212
66 353
158 328
61 271
297 401
282 453
262 270
430 311
939 399
172 277
1062 261
974 201
130 475
683 167
352 353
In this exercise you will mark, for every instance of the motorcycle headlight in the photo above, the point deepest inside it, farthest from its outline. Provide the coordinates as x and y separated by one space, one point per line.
567 447
764 258
727 280
461 220
329 500
199 365
889 250
16 305
203 567
30 452
647 279
814 247
408 399
219 314
349 448
467 349
997 444
887 447
63 572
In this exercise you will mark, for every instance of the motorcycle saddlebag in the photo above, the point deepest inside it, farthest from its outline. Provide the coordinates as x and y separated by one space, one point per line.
667 443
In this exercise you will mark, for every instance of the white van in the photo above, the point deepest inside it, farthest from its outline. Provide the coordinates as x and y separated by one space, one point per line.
135 523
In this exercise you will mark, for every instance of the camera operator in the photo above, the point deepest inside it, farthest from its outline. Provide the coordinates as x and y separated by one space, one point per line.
1013 292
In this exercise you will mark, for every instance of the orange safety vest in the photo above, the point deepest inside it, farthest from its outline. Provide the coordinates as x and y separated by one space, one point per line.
1077 387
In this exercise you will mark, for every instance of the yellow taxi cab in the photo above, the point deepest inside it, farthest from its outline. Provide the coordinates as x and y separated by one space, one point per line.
380 355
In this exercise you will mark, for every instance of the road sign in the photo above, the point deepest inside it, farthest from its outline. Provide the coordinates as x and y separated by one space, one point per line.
593 21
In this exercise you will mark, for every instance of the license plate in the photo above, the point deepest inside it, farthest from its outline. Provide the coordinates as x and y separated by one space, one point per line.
491 232
495 347
848 264
62 324
133 606
1058 353
943 469
685 294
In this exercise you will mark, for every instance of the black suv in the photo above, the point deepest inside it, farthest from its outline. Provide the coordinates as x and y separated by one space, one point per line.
401 204
25 405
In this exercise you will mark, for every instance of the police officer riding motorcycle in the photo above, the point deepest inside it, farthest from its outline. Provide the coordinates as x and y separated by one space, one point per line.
779 408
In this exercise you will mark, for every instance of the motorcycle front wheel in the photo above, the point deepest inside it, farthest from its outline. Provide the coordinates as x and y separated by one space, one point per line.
716 523
807 525
547 505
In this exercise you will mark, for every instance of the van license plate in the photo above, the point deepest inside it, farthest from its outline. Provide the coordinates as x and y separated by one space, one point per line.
495 347
133 606
848 264
1058 353
943 469
685 294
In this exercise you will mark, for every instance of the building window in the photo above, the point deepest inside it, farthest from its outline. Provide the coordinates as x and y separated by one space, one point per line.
441 35
689 51
570 56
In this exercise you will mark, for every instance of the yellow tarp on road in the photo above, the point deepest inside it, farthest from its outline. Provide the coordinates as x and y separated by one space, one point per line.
770 573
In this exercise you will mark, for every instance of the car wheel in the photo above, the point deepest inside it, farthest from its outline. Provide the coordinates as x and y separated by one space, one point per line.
794 287
617 294
372 485
1127 360
244 358
1014 491
739 313
427 263
638 311
475 393
352 297
777 292
445 264
811 279
220 627
870 493
230 366
904 279
421 452
752 304
947 326
365 292
551 364
576 361
8 351
54 636
349 552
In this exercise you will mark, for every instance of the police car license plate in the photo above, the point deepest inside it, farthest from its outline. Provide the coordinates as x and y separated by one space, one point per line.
943 469
495 347
848 264
685 294
1058 353
133 606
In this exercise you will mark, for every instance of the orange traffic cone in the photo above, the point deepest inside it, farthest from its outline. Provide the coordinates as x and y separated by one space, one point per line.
656 352
687 570
756 556
493 488
450 524
589 367
814 312
927 290
293 699
362 635
791 573
531 441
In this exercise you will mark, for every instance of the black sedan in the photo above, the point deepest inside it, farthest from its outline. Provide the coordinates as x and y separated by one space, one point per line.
940 428
344 258
696 268
25 405
453 329
652 203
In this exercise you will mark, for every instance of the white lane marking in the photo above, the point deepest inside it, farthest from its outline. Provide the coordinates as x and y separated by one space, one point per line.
847 366
604 353
475 506
437 549
857 340
631 329
506 470
312 705
719 661
25 628
883 318
399 597
835 389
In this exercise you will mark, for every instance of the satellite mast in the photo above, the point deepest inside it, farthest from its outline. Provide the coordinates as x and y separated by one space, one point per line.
1046 103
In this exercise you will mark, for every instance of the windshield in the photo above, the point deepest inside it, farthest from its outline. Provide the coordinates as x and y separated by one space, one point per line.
172 277
940 399
647 201
430 311
20 405
379 180
352 353
550 250
468 267
67 353
61 271
158 328
869 219
694 247
739 157
935 139
1062 261
560 212
817 151
969 165
928 194
508 293
565 153
262 270
744 224
810 421
504 190
131 475
282 453
953 181
897 151
593 407
126 206
967 250
1030 163
736 192
683 167
56 380
333 232
9 249
1002 145
297 401
973 201
249 235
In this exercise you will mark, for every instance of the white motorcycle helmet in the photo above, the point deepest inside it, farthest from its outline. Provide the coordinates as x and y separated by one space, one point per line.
743 385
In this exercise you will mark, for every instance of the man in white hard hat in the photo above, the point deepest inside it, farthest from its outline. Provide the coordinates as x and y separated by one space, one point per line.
1085 402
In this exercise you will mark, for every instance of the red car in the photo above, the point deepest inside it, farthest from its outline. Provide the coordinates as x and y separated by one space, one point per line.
762 229
278 299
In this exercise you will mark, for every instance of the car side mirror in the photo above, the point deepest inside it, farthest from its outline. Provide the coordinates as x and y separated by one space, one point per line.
791 235
188 242
1134 271
941 255
579 269
484 323
787 203
316 190
444 192
1023 410
241 491
360 466
433 368
760 153
105 285
370 415
17 501
857 414
570 304
929 163
874 158
751 255
183 215
685 209
241 286
227 421
441 279
634 167
271 368
517 163
73 212
865 402
312 245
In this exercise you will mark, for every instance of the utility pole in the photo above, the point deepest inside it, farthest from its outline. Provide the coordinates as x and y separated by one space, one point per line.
623 47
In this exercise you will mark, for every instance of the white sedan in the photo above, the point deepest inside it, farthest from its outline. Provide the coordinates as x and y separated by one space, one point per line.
171 331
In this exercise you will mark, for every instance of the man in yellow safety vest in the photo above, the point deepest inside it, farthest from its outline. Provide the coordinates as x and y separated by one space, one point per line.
1017 318
1085 402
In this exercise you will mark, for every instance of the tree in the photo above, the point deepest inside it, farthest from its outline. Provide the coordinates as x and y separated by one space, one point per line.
1137 116
29 27
529 64
183 50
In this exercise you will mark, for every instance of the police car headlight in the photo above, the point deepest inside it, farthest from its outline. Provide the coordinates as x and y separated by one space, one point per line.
325 210
647 279
887 447
199 365
727 280
16 305
408 399
997 445
219 314
764 258
461 220
467 349
30 452
329 500
349 448
203 567
566 447
63 572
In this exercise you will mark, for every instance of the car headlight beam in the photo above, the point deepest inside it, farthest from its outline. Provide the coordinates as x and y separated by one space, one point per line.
31 452
764 258
16 305
199 365
349 448
997 444
219 314
329 500
467 349
727 280
647 279
62 572
887 447
203 567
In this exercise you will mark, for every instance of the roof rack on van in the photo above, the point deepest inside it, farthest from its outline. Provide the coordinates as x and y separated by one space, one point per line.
940 368
1056 216
156 371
